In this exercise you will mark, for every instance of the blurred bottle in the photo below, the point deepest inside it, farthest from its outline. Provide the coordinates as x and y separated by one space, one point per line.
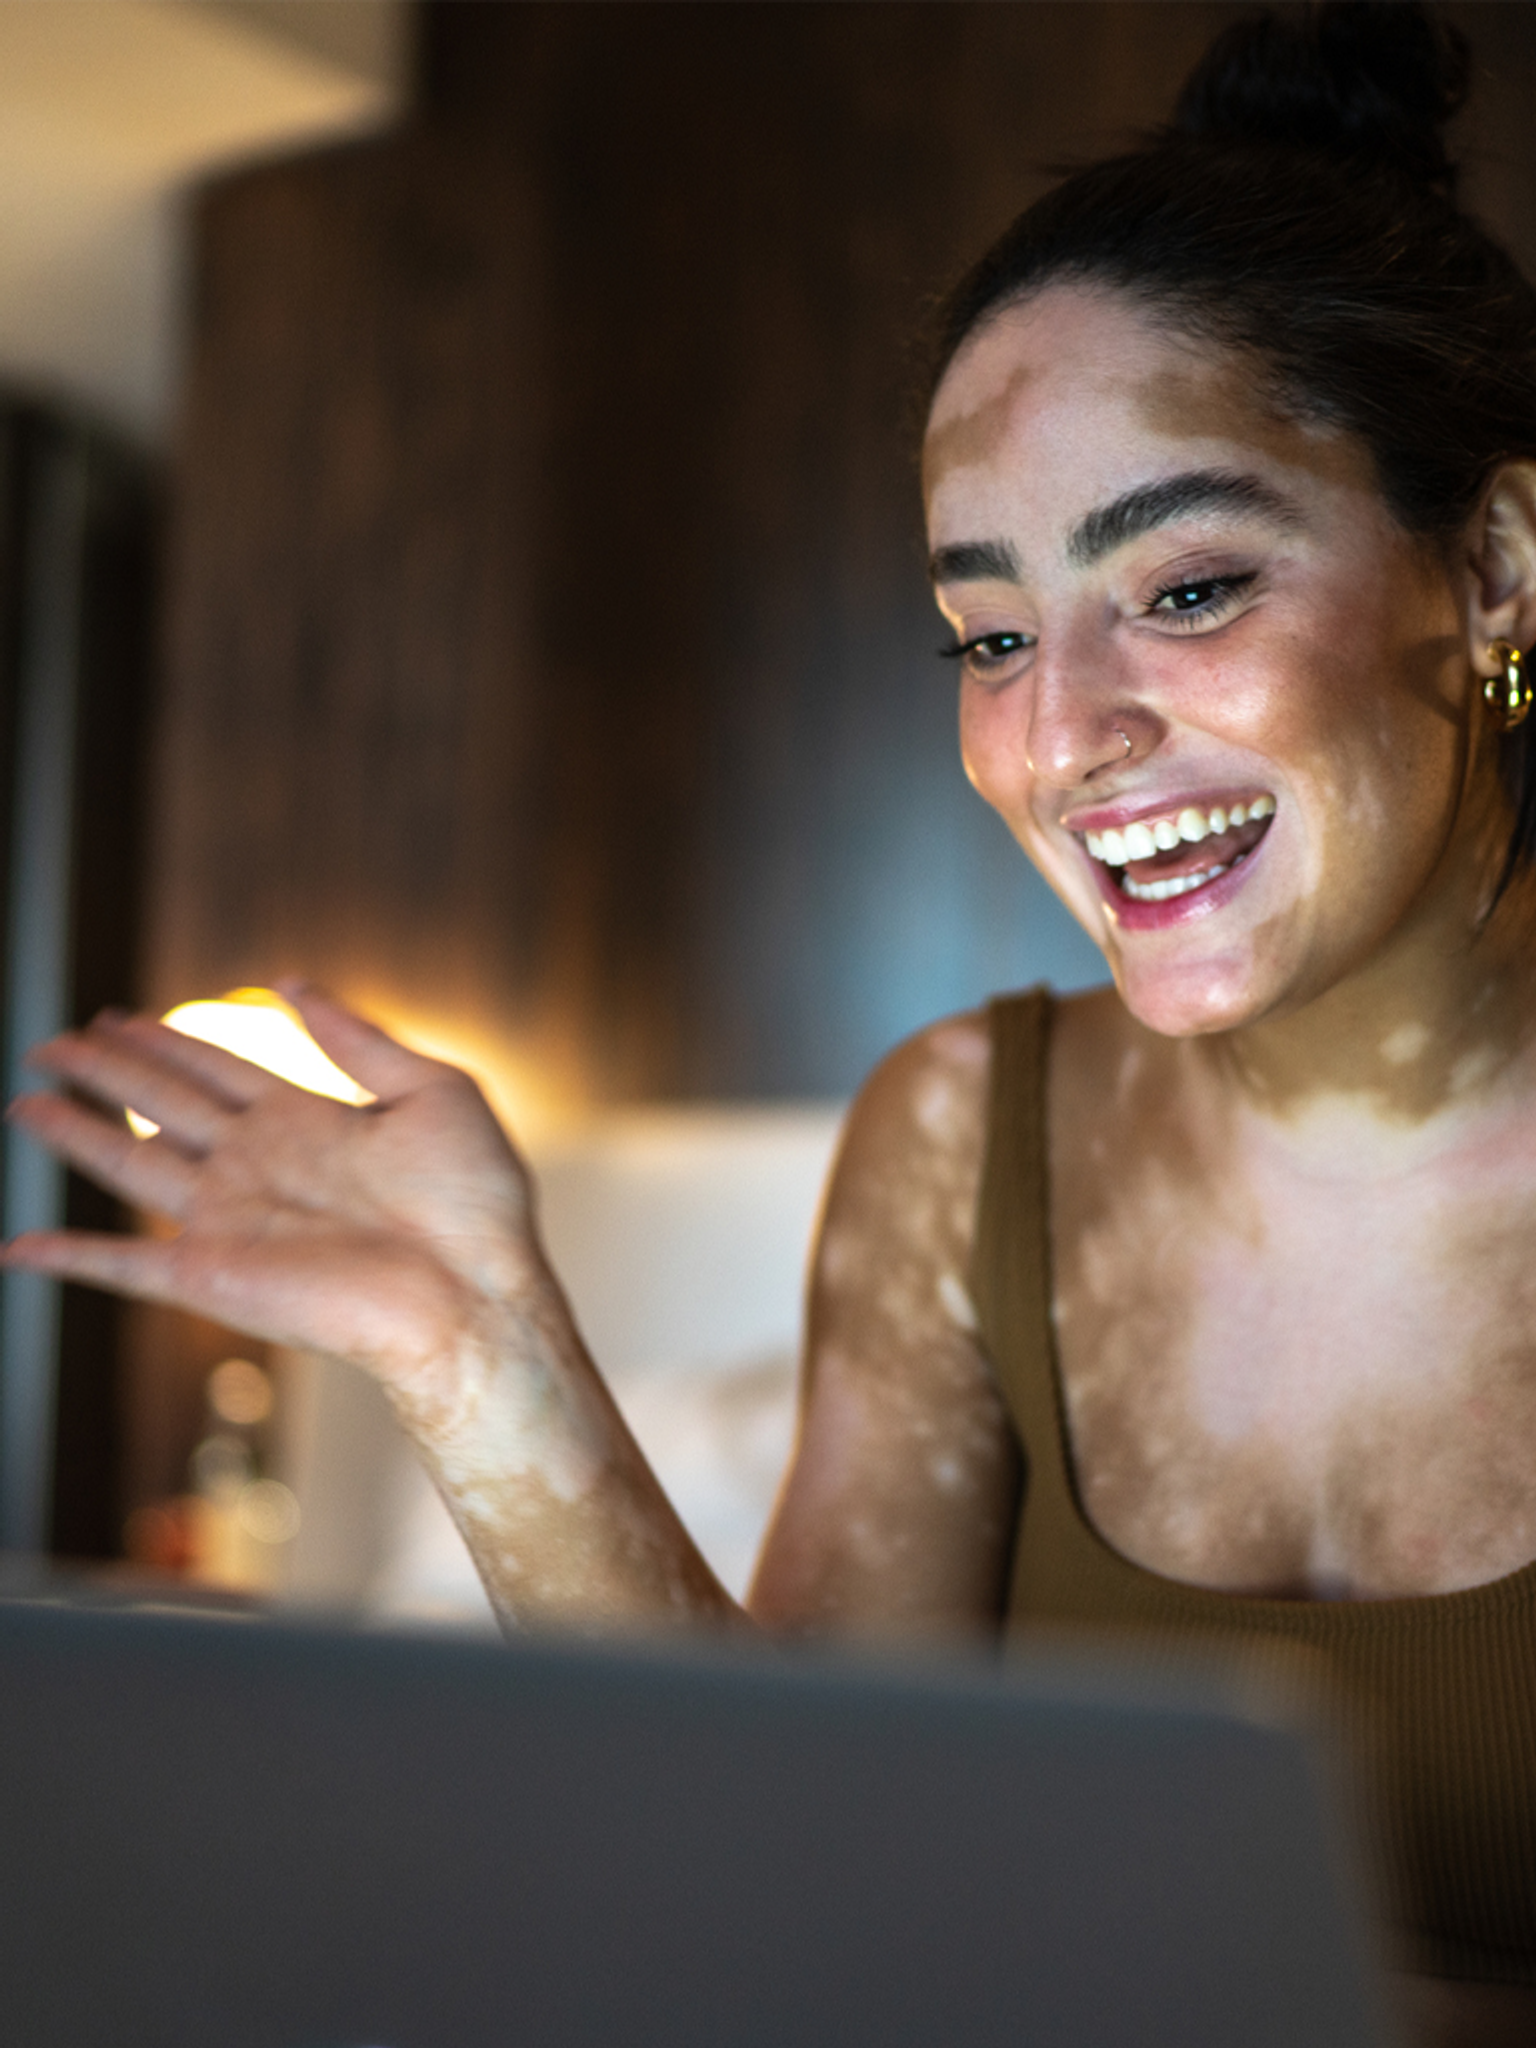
233 1528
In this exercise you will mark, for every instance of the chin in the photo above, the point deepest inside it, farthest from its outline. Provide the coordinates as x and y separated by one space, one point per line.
1192 1000
1177 998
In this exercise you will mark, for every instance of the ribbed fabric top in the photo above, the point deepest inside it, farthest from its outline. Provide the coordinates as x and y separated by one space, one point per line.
1438 1691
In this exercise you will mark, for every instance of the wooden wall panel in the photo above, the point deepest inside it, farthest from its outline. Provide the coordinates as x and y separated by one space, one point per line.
549 648
550 654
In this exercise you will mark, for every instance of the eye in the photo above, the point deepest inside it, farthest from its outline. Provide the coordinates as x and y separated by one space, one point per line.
989 654
1200 600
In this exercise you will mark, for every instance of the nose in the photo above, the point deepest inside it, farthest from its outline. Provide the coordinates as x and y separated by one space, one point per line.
1085 720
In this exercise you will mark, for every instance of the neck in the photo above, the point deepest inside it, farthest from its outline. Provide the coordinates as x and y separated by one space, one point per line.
1436 1030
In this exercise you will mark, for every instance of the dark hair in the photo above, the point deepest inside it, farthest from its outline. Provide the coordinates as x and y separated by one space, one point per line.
1301 210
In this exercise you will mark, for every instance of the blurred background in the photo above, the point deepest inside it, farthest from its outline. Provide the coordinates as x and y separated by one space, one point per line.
459 540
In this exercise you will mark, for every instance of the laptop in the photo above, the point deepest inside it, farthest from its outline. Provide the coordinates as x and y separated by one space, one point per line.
218 1833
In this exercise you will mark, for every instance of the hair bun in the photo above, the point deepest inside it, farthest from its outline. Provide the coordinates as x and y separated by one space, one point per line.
1361 78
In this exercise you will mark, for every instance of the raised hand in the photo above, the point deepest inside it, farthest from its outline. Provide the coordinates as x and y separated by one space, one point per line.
374 1233
400 1236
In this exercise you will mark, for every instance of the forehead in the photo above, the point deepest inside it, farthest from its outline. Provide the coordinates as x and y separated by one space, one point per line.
1080 392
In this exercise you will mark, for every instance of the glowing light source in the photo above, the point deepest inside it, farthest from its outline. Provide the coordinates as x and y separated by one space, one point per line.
534 1086
257 1024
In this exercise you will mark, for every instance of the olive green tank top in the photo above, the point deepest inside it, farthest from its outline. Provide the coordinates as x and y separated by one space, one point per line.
1438 1692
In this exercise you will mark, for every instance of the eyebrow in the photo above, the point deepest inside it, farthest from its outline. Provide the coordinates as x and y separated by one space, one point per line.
1100 532
975 561
1125 519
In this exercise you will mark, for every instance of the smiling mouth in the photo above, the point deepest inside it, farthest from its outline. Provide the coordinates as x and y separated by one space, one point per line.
1160 857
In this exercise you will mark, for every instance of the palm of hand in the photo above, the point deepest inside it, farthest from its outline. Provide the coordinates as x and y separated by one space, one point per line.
377 1233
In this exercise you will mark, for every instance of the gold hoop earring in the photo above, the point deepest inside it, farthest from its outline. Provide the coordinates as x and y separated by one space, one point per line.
1508 695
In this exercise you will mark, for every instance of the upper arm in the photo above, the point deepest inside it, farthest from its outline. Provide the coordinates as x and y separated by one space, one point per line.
899 1506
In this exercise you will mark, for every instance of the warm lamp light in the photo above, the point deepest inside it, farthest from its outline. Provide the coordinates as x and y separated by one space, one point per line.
257 1024
533 1087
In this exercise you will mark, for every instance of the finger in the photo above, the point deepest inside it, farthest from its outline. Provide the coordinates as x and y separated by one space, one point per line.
377 1062
144 1171
237 1082
136 1266
104 1064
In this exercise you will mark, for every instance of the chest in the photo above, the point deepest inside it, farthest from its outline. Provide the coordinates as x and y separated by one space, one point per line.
1302 1387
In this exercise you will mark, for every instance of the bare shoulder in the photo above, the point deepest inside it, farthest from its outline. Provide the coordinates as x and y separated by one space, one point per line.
924 1106
916 1134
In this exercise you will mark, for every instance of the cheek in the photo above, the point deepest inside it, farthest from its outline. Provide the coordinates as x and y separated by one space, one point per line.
994 754
993 744
1361 709
1381 728
1363 719
992 750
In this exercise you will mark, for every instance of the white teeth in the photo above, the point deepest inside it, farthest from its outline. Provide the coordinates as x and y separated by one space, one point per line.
1141 840
1176 885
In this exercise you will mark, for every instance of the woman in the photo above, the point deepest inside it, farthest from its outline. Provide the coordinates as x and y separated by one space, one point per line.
1231 483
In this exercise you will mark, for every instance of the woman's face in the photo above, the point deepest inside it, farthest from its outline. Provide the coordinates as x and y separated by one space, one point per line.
1215 691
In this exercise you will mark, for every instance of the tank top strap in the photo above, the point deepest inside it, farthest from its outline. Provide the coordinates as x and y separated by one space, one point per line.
1011 1256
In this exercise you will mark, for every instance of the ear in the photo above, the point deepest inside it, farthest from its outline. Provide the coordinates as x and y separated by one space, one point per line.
1501 561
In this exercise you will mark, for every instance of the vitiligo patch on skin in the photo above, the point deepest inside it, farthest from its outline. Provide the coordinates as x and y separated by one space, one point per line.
558 1507
955 441
957 1303
1248 1408
1407 1043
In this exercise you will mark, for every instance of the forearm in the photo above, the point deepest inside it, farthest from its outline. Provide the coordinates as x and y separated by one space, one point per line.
566 1522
